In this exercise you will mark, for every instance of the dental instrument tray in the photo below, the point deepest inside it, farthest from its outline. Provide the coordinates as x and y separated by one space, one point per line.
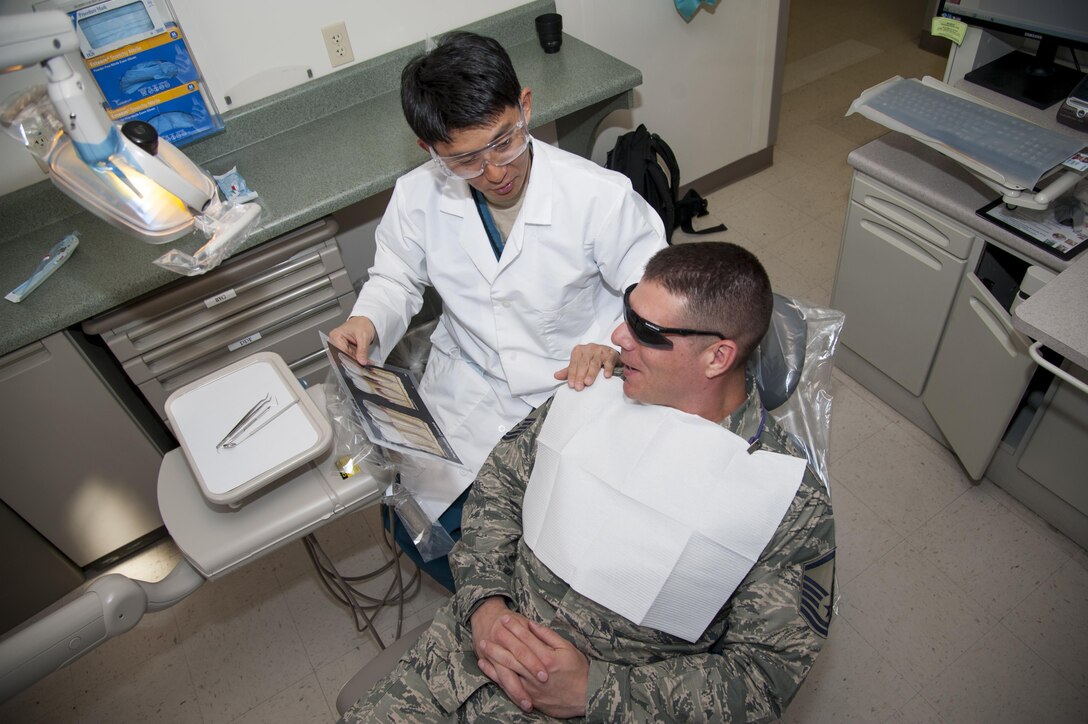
245 426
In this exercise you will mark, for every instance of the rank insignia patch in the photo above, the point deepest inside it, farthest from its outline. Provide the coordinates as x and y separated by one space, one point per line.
519 428
818 592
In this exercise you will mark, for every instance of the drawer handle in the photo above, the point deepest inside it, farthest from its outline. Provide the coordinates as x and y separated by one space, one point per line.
167 377
997 329
1058 372
182 342
277 272
303 361
902 243
23 359
912 221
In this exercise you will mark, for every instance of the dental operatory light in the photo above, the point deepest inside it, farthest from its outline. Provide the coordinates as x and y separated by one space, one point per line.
125 175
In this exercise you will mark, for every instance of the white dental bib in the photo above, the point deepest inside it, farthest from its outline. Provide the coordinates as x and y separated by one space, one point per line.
655 514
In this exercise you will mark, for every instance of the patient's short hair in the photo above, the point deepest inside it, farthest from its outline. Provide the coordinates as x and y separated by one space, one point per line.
724 287
467 81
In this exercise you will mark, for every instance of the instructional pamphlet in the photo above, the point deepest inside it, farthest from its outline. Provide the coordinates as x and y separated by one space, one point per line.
390 407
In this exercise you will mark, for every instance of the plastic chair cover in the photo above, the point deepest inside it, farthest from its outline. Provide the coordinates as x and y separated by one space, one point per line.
792 367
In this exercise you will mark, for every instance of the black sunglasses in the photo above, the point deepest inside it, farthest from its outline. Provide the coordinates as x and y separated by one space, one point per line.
652 335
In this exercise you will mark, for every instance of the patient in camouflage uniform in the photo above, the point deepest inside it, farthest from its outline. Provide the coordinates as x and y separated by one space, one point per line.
517 644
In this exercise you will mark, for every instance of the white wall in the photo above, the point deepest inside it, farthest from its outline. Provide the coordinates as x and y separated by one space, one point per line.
250 49
707 84
706 89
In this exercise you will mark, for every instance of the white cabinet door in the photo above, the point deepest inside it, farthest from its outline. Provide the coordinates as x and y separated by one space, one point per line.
896 289
1057 453
979 375
77 467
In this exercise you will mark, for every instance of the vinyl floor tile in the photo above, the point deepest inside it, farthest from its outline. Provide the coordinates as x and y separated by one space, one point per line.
850 682
914 615
1051 621
993 555
999 680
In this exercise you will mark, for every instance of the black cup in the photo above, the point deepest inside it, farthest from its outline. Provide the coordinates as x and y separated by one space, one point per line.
549 28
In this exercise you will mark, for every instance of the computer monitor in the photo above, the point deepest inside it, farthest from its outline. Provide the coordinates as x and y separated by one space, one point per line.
1036 80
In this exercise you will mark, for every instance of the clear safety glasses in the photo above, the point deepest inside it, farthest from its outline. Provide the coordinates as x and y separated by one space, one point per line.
503 151
653 335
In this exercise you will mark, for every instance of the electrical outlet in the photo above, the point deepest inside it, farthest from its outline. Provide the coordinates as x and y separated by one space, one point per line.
337 43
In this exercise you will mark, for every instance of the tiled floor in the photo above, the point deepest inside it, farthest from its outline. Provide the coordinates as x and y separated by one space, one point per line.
958 604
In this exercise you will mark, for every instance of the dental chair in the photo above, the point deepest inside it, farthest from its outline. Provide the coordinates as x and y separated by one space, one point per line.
792 369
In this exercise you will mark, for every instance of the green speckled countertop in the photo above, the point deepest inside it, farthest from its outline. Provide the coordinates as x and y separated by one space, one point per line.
307 152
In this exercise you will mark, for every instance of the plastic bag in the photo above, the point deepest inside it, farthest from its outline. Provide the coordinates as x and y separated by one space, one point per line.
1072 209
412 350
352 450
792 367
227 225
29 117
430 538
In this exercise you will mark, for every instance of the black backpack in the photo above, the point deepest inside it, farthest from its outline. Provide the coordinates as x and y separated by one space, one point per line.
638 155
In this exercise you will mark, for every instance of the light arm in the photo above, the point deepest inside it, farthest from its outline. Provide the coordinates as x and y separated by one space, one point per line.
111 606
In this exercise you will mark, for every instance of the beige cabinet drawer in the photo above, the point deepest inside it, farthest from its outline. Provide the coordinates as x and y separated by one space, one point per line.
912 215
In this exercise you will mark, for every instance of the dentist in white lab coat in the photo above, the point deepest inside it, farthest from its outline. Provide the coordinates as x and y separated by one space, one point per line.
530 248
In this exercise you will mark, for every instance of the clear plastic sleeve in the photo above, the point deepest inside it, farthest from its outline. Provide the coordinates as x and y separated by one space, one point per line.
353 451
431 539
227 226
793 368
412 350
28 116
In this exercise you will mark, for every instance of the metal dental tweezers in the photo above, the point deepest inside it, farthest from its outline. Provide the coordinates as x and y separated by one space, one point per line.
258 416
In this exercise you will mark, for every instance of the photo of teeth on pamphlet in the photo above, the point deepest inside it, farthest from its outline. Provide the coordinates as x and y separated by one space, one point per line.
390 408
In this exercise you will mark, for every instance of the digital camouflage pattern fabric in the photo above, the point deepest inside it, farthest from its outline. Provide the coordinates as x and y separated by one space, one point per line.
747 666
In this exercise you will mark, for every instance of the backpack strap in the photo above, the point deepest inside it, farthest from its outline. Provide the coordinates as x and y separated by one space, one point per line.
694 206
662 149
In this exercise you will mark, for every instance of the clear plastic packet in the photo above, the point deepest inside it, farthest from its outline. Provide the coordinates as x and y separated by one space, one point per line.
1072 209
413 348
227 225
57 255
793 367
234 187
430 538
29 117
352 450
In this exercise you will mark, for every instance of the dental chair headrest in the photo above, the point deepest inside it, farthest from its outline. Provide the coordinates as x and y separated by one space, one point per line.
780 357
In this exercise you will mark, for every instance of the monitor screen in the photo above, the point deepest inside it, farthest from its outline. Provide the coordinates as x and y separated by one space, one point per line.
1064 19
1036 80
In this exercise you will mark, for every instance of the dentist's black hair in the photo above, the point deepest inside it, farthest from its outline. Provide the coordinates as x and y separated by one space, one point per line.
467 81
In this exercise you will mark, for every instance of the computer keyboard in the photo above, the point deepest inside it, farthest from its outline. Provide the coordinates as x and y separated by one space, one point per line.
1019 150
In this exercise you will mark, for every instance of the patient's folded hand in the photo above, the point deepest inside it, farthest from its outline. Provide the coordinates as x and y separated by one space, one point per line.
563 693
502 656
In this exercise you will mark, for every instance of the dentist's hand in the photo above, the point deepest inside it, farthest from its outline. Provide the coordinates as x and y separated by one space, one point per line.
355 337
586 360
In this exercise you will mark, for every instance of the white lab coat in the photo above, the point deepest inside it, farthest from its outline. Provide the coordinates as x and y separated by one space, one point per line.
583 235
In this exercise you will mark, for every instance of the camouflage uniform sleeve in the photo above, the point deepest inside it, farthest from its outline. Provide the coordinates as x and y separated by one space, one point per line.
483 560
772 635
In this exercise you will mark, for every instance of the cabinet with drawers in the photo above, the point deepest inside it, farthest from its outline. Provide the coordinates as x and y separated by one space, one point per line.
929 331
276 297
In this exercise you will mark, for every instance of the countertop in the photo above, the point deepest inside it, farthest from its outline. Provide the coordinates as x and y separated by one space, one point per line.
307 152
1057 315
